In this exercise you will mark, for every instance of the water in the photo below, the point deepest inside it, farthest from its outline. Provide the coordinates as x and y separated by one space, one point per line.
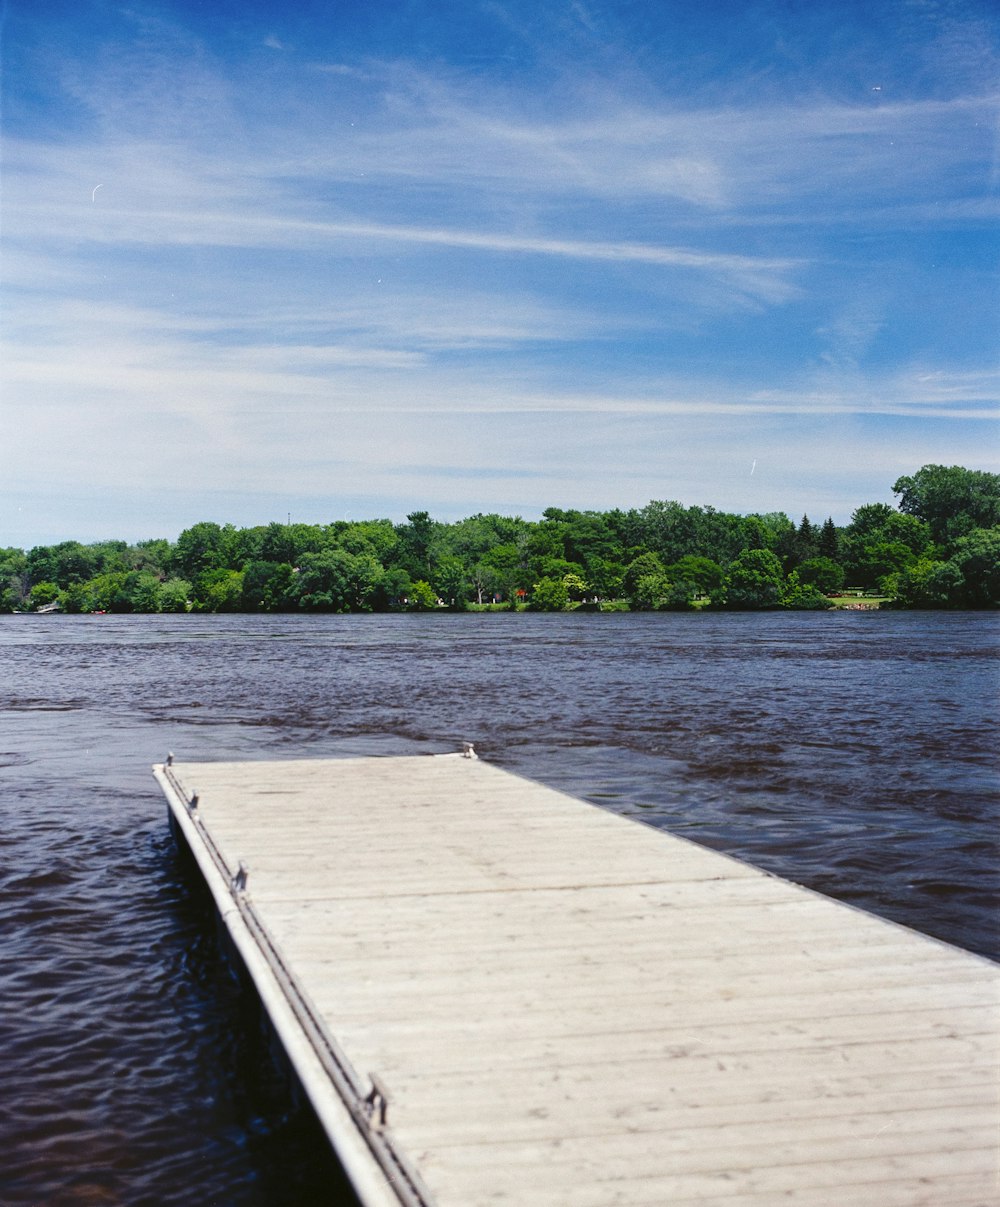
854 753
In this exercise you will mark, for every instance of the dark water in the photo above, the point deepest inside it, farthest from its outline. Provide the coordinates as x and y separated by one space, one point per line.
855 753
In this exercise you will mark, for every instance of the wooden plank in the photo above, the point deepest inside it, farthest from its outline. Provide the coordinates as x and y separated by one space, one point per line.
577 1171
569 1007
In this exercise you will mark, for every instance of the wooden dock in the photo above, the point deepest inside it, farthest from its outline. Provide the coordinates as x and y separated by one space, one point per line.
494 993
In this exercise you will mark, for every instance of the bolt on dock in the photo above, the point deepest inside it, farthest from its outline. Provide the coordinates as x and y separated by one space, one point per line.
494 993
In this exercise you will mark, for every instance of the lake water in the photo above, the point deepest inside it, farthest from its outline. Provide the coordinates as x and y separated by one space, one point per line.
854 753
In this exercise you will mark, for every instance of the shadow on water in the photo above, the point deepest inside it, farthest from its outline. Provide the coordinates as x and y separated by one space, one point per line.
284 1138
139 1069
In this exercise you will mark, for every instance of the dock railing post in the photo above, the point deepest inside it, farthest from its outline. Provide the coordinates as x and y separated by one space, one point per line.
377 1102
239 881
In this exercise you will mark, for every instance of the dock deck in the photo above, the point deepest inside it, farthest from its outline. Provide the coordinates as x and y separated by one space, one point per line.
563 1007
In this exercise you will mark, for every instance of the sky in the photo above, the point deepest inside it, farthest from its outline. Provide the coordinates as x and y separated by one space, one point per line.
355 258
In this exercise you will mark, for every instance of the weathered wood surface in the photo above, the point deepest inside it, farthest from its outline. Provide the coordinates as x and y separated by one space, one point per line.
568 1007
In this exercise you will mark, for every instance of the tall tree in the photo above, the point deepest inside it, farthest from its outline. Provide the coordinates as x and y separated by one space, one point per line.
199 548
829 541
415 538
952 500
977 559
805 543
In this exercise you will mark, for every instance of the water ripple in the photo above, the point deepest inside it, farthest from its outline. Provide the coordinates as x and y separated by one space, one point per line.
855 754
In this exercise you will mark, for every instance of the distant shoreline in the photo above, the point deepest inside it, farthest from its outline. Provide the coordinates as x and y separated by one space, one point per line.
939 550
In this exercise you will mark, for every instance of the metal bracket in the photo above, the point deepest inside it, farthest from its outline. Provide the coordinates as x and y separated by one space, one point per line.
377 1103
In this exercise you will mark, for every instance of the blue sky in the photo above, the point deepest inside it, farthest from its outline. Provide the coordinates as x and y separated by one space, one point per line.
346 260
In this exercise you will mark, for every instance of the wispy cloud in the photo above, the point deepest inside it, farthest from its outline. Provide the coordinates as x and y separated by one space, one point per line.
548 253
241 229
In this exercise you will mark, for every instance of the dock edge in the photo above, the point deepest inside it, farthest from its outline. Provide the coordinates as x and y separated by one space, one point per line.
351 1112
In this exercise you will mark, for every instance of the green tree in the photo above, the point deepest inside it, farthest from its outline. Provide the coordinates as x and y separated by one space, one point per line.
422 597
705 575
452 580
14 580
977 560
646 565
925 583
238 546
801 596
337 581
719 536
558 567
673 531
484 580
650 593
63 564
605 577
658 593
76 598
952 500
829 541
500 571
586 537
541 544
112 592
415 537
141 590
267 587
471 538
803 544
910 531
576 586
680 596
218 590
869 519
43 594
880 542
756 533
754 580
373 538
822 573
175 595
112 556
549 595
276 547
390 589
199 549
153 555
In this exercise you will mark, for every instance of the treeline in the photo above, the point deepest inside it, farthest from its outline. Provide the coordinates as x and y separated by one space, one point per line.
940 548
